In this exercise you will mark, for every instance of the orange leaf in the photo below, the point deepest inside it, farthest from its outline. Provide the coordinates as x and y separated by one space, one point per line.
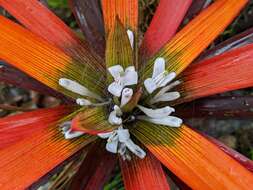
92 121
28 160
41 21
195 160
144 174
229 71
126 10
43 61
118 48
197 35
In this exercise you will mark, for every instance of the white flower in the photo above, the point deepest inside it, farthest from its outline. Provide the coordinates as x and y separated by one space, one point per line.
114 116
121 78
160 116
68 133
118 141
77 88
160 77
127 94
164 96
131 37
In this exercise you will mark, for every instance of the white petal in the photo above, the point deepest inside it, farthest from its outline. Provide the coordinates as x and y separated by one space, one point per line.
131 37
113 137
105 135
118 110
168 87
170 121
130 68
115 71
123 135
169 96
83 102
130 78
122 149
112 146
157 113
115 89
127 94
72 134
159 67
168 78
135 149
65 126
150 85
113 119
77 88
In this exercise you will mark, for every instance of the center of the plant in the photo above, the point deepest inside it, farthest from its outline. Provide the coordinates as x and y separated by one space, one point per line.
122 88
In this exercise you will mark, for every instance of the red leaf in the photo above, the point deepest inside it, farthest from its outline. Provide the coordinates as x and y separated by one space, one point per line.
144 174
164 25
229 71
15 128
95 169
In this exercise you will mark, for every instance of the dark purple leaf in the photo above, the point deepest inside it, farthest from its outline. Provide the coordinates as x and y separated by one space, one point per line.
237 41
11 75
95 169
89 17
220 106
196 7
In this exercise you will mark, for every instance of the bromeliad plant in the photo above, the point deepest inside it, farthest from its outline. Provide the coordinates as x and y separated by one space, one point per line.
119 89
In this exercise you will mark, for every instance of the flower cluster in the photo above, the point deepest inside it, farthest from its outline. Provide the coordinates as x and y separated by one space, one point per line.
118 141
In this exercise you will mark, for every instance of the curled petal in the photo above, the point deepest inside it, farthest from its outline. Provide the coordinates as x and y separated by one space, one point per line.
157 113
159 67
150 85
77 88
169 96
126 96
112 146
135 149
115 89
114 119
115 71
72 134
168 78
130 78
167 88
169 121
